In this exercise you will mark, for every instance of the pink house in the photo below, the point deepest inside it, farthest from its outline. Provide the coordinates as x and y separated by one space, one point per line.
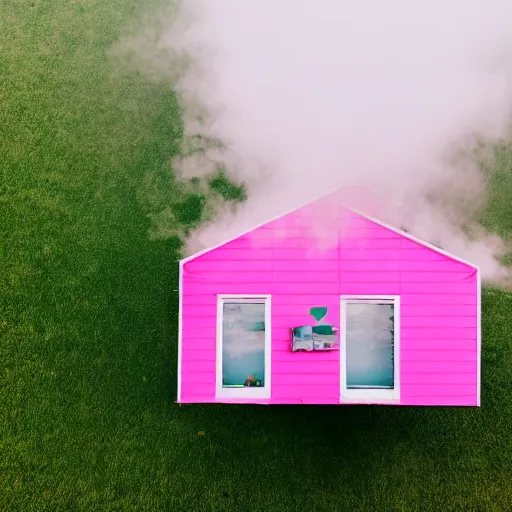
350 311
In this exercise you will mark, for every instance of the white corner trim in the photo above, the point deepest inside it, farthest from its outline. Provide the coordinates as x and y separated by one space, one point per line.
180 328
245 392
369 396
478 336
357 212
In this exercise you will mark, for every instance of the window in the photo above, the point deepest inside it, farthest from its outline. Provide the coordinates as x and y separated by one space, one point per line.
243 346
370 339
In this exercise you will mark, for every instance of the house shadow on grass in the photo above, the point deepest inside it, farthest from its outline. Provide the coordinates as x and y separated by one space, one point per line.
360 452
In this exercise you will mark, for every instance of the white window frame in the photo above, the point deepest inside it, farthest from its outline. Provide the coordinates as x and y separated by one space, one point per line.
249 391
369 395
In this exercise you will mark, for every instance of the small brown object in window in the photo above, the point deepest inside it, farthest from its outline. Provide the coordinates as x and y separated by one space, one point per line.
250 380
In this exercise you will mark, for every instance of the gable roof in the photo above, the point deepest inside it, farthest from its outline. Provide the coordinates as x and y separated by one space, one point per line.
350 209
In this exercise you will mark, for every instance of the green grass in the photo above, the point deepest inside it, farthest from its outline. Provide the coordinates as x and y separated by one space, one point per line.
88 318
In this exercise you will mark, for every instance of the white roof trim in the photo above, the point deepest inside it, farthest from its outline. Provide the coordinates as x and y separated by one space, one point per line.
353 210
414 239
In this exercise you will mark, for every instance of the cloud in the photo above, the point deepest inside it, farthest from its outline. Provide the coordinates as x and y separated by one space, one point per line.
238 342
309 96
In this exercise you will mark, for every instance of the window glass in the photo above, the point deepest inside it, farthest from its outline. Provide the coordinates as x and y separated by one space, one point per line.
369 345
243 344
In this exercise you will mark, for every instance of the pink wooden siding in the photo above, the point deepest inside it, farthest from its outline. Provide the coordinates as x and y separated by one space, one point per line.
438 335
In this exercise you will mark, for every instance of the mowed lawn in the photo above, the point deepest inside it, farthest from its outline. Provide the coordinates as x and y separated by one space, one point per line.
88 320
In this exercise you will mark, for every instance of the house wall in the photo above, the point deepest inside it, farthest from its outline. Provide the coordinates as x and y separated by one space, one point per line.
304 264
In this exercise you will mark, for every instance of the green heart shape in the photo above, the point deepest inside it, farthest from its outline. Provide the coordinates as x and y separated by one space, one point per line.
318 313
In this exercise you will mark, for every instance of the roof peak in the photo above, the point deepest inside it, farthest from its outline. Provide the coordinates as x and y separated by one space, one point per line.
344 197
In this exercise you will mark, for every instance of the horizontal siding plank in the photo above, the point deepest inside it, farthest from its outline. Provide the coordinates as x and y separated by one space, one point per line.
226 288
444 288
296 311
437 367
192 333
317 298
294 320
370 288
438 277
232 276
205 321
456 333
437 344
370 255
207 317
191 367
367 231
438 299
440 401
246 242
197 388
316 265
280 334
418 253
305 254
198 299
299 243
409 244
434 390
439 265
305 391
305 366
370 277
249 265
282 233
374 244
226 254
306 288
438 310
369 266
438 321
280 345
205 353
308 379
413 379
279 289
194 311
418 282
195 377
454 356
321 400
305 277
285 355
